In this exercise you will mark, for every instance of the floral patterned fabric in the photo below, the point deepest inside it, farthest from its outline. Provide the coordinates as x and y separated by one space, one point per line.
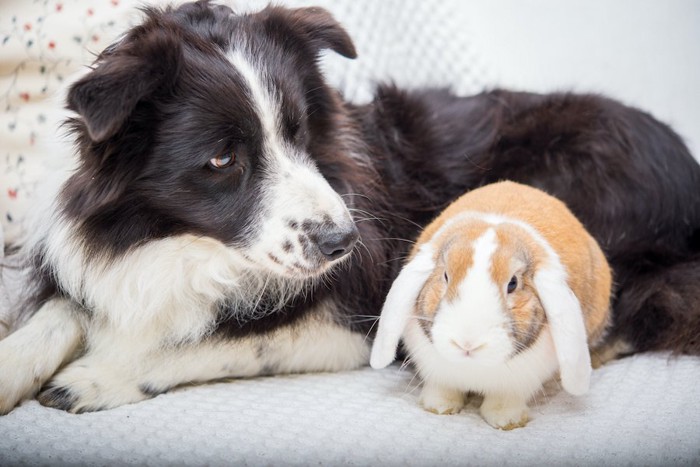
42 43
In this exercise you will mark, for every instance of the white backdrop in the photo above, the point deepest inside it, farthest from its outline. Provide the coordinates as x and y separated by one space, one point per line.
643 52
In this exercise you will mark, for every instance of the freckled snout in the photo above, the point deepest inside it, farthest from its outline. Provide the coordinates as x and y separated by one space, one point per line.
336 242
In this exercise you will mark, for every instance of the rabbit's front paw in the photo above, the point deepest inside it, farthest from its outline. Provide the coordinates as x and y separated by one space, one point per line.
440 400
504 413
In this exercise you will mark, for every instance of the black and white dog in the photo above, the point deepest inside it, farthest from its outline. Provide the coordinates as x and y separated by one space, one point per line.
231 216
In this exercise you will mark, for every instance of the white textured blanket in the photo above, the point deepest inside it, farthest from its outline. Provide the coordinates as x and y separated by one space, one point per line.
642 410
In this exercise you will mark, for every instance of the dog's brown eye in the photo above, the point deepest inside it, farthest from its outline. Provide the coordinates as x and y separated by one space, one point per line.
223 160
512 284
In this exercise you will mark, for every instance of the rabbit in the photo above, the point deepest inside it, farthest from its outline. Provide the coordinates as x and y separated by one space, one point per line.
501 290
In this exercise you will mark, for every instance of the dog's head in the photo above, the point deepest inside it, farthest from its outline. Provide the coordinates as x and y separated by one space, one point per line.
201 121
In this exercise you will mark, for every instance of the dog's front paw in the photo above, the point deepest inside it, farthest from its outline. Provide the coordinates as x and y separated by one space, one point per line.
504 413
440 400
89 387
21 373
31 355
16 384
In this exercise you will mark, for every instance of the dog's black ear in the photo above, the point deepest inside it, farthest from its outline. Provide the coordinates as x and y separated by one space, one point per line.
107 96
322 30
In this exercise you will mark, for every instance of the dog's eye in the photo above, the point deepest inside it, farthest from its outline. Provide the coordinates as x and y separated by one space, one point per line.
223 160
446 277
512 284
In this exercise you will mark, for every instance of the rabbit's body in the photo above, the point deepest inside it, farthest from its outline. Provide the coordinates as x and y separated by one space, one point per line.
502 289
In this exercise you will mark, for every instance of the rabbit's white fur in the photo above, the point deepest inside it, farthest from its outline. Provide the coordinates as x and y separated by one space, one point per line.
470 331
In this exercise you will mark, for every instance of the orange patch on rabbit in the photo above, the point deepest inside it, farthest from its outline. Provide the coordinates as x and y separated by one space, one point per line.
514 263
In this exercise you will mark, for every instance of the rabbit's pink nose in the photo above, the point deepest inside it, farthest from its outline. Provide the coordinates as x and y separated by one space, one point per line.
468 348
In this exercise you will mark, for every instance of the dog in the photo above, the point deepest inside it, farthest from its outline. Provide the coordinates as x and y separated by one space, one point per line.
231 216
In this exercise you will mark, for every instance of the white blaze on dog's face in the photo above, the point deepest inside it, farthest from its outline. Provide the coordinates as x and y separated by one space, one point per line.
305 226
480 299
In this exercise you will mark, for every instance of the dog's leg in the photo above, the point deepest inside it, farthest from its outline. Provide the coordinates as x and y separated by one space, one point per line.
32 354
123 370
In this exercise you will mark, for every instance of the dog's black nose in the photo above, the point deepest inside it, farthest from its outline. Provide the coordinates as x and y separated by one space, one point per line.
337 243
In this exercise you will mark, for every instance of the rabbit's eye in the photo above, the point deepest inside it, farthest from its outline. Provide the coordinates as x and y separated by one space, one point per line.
445 276
512 284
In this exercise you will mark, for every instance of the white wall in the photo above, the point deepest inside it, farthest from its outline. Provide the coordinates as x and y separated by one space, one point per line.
643 52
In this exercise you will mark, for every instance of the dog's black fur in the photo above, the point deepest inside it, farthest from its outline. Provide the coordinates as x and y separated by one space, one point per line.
163 93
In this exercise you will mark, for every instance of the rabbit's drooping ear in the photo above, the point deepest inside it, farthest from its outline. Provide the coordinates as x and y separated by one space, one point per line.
399 305
567 327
